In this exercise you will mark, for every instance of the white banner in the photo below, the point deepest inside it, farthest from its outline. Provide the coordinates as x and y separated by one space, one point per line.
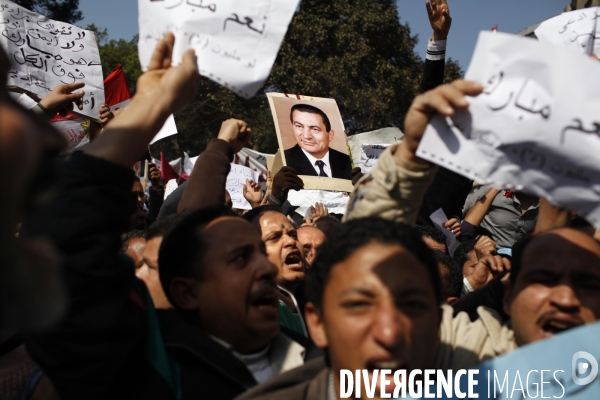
578 30
334 201
536 126
236 42
235 185
46 53
379 136
369 154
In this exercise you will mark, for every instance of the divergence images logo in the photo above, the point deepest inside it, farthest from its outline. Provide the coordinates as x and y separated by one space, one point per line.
580 368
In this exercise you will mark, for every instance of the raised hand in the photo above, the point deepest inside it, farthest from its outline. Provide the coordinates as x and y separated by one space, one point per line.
105 114
443 100
154 175
486 269
235 132
62 97
284 180
170 87
439 18
252 192
453 225
317 211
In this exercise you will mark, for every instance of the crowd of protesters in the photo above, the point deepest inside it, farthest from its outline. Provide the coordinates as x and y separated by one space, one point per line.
108 292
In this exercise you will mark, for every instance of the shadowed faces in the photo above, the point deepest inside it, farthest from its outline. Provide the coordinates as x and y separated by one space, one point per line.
557 287
380 303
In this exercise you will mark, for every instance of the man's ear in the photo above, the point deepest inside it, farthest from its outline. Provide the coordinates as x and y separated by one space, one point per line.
451 300
314 323
331 134
507 298
184 293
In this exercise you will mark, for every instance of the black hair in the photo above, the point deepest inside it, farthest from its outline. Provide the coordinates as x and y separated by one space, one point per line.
161 227
251 215
453 282
351 236
517 257
126 237
461 254
136 179
433 233
327 223
183 246
313 110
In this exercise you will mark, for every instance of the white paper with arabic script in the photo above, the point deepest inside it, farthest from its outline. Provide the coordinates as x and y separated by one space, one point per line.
536 126
46 53
236 42
578 30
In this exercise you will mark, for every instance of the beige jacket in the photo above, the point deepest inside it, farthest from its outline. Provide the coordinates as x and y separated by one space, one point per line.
464 344
391 191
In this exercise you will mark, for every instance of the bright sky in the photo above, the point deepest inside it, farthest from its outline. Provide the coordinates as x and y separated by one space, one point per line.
468 18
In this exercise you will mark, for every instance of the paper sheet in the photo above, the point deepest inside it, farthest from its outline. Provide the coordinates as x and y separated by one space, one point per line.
235 184
334 201
369 154
46 53
168 129
578 30
379 136
439 219
535 127
236 42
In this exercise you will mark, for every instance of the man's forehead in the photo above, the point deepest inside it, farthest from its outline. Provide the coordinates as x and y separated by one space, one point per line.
304 115
564 249
272 219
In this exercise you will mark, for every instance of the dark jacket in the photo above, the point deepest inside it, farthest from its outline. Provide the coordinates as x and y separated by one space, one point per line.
341 166
112 344
308 382
449 190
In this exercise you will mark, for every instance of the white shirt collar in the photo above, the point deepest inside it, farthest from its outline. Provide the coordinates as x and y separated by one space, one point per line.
313 160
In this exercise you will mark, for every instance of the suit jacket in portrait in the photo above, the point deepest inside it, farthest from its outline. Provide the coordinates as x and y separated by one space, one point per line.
340 164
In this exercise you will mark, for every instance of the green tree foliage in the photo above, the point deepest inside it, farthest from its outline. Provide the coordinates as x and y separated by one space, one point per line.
59 10
115 52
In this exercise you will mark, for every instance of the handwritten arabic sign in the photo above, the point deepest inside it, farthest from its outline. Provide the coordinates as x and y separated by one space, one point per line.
235 185
533 127
236 42
47 53
369 154
578 30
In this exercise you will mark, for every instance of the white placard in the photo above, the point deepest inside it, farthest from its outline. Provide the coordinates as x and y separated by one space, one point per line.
536 126
334 201
236 42
369 154
235 185
168 129
439 219
379 136
578 30
46 53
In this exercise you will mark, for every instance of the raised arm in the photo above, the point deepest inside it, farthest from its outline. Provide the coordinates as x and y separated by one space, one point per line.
161 91
206 186
481 207
395 187
435 60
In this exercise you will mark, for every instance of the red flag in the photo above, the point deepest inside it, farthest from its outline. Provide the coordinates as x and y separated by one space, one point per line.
495 29
115 87
166 171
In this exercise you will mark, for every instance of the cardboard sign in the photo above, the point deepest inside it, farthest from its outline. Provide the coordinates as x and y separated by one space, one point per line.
46 53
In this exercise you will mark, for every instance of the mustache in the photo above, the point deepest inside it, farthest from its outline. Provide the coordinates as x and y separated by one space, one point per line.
262 290
550 314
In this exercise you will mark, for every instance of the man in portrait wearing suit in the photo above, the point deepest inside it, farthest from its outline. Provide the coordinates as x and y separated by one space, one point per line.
312 155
